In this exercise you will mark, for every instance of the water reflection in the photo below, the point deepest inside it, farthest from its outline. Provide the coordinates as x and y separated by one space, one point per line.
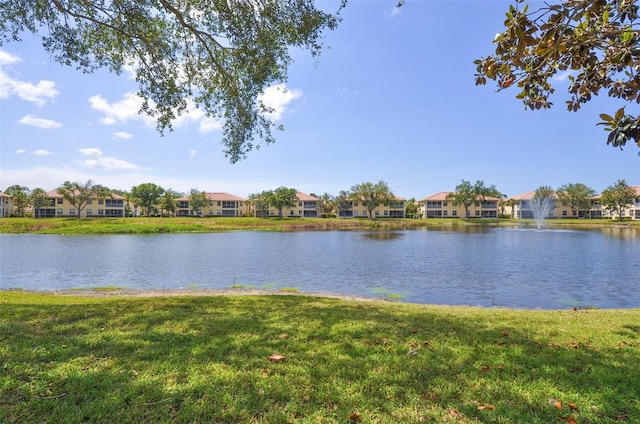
627 233
383 235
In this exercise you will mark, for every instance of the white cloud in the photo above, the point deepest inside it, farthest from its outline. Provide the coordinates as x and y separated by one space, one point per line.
38 93
192 153
8 58
122 111
42 152
97 160
121 135
208 125
278 97
21 151
39 122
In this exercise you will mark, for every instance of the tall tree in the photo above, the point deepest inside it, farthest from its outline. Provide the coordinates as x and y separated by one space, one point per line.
39 200
219 56
618 197
259 203
324 204
342 202
147 195
19 197
168 202
198 200
411 208
467 194
577 197
512 203
79 194
372 195
595 42
283 197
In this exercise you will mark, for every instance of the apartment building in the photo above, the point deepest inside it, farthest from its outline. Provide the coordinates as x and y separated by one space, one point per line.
306 207
394 209
112 207
220 204
524 210
6 205
631 211
438 205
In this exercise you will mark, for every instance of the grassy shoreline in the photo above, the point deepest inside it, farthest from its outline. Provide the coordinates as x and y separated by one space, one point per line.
205 225
207 359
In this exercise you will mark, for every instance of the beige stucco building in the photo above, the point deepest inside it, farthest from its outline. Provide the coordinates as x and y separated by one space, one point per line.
220 204
440 206
6 205
112 206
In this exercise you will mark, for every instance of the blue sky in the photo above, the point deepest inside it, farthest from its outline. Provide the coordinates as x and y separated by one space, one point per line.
392 99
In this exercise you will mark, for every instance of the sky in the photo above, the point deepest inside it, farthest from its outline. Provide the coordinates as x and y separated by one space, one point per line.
391 98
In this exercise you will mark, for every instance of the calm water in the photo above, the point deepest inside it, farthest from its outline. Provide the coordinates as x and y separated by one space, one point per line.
521 268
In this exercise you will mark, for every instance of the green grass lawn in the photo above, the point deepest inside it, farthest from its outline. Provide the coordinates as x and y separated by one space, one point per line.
66 359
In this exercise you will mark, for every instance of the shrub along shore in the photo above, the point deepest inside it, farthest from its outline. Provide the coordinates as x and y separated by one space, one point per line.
304 359
204 225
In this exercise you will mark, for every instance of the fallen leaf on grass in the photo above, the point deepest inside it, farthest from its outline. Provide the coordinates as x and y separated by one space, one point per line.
504 333
486 406
354 417
572 406
136 373
454 413
485 368
556 403
570 420
276 358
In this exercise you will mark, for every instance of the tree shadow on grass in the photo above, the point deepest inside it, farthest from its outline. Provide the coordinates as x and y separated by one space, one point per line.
205 359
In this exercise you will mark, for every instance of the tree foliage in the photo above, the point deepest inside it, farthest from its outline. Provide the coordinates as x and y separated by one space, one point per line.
198 200
259 203
371 195
467 194
39 200
167 202
147 195
342 202
617 197
219 56
596 42
79 194
282 197
576 196
20 198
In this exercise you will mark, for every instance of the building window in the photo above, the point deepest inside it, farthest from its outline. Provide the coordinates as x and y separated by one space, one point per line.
454 213
101 201
72 212
100 211
59 212
377 213
477 213
90 201
386 213
444 213
60 201
89 211
355 213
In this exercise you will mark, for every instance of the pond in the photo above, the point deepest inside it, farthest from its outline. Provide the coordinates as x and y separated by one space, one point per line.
483 266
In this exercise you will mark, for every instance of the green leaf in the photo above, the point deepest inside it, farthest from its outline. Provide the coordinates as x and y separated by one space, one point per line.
606 117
